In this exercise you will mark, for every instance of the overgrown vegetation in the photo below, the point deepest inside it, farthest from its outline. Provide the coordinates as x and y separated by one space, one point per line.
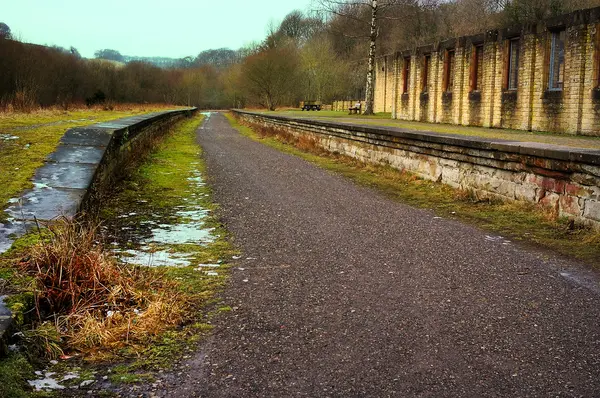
520 221
89 306
92 300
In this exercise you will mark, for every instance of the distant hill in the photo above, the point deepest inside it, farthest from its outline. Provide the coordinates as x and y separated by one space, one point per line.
219 58
161 62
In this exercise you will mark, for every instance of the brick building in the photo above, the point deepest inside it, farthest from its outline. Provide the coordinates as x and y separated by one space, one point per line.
542 77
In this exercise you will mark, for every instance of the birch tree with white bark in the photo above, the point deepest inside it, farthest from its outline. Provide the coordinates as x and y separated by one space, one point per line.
354 9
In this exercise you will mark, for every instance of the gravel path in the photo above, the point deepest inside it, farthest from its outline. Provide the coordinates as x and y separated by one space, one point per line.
344 293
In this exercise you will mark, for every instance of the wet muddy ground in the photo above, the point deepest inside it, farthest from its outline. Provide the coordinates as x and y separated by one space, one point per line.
160 216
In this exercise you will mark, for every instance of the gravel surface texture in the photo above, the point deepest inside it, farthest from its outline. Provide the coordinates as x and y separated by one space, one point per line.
342 292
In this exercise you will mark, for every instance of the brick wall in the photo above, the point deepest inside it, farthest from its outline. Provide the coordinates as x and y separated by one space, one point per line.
563 99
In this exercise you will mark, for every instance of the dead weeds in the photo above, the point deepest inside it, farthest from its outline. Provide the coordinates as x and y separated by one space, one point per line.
91 299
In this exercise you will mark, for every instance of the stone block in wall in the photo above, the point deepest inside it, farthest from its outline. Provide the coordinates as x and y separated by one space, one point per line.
550 200
592 209
569 205
526 192
547 183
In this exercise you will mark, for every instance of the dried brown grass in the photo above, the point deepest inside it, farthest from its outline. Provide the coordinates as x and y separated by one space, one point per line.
21 103
93 300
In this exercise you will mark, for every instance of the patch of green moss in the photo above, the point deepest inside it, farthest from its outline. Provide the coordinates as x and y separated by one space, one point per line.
15 370
20 305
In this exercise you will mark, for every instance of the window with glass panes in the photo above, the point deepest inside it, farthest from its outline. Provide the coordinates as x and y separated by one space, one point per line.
449 71
513 64
557 60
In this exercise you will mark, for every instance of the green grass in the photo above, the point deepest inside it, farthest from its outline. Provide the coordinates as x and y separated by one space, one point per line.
39 134
524 222
158 186
15 370
384 119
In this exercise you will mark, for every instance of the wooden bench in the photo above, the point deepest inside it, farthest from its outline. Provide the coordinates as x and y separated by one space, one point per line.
311 105
354 110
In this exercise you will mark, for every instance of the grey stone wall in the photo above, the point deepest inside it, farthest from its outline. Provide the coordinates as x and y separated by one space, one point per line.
86 162
563 178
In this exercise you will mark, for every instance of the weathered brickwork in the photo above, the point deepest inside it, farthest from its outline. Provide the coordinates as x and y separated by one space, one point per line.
564 179
542 77
384 91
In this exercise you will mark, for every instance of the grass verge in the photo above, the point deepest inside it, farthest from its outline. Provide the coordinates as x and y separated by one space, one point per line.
520 221
385 120
122 323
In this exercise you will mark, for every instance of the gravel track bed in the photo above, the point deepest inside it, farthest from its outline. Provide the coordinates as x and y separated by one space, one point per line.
341 292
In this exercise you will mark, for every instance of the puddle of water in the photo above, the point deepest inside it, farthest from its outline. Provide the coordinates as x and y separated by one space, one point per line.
49 382
200 266
8 137
498 239
182 233
152 236
158 258
193 215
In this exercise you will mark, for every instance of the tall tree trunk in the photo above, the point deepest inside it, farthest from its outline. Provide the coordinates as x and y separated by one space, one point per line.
371 68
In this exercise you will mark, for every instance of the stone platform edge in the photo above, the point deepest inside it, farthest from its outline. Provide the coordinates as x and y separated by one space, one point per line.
84 162
564 178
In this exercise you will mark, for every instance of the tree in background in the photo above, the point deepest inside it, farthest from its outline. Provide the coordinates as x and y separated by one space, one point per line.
355 10
270 76
303 57
111 55
324 75
527 11
5 31
219 58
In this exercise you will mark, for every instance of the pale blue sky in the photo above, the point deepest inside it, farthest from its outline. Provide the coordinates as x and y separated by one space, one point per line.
170 28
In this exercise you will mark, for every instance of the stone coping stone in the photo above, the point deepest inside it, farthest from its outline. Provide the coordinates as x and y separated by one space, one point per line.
46 203
5 325
550 151
12 228
88 136
66 175
77 154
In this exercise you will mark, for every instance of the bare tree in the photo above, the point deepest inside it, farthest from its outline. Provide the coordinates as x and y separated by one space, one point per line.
354 9
270 75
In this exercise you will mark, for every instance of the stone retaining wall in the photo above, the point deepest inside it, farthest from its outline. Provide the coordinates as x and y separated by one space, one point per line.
564 178
85 162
